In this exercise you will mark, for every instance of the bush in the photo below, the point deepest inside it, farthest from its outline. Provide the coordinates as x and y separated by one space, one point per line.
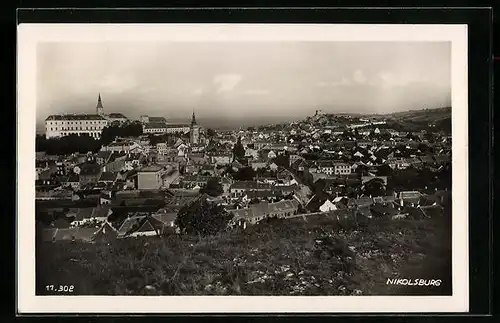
202 218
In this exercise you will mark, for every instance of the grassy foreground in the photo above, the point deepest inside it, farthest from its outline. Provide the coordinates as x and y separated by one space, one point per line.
283 257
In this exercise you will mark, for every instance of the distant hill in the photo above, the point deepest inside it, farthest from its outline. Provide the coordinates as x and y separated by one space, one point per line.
414 120
425 115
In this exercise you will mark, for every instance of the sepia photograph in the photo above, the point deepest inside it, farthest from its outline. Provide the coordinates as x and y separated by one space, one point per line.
312 162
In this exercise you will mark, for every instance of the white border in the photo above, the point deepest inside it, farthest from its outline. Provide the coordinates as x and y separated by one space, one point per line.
30 34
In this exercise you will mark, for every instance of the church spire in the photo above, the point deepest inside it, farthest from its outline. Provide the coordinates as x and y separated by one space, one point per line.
193 119
99 108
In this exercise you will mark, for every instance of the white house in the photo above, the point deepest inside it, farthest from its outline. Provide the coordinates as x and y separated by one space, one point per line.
327 206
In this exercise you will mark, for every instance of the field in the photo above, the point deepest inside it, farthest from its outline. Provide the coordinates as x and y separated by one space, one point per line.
282 257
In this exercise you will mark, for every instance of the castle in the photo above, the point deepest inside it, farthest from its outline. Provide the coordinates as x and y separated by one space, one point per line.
59 125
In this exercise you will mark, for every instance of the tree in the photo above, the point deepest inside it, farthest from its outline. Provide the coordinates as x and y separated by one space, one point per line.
211 133
109 133
155 139
282 160
244 174
202 218
374 187
212 188
384 170
67 144
238 150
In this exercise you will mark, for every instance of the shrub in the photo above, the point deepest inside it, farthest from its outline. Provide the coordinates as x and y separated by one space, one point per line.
202 218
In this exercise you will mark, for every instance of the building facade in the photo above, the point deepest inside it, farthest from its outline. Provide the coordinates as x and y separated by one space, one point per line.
75 124
123 146
178 128
150 177
155 127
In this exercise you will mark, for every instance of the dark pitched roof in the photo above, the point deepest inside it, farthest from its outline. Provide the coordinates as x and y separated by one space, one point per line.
108 177
146 227
77 233
249 185
129 224
177 125
157 119
105 233
155 125
165 217
262 194
315 202
73 117
117 116
89 169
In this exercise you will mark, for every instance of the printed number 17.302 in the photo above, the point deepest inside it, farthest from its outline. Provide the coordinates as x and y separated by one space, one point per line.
60 288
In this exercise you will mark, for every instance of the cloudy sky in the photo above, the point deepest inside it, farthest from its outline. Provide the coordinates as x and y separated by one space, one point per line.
242 81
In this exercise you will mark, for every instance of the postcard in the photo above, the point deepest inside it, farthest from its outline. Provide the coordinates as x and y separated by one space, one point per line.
242 168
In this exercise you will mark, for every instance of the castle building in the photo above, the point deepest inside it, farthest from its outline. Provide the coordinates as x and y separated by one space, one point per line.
194 134
60 125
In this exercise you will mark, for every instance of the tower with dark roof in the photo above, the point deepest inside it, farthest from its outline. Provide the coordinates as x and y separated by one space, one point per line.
99 108
193 119
194 133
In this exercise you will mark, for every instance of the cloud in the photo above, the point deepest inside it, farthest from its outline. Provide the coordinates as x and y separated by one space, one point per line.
226 82
255 92
359 77
198 91
388 80
342 82
117 83
383 79
147 90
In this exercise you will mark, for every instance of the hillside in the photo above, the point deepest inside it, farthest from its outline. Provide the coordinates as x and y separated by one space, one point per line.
319 256
422 115
427 119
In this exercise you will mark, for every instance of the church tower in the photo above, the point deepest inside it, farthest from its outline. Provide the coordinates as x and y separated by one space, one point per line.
99 108
194 134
